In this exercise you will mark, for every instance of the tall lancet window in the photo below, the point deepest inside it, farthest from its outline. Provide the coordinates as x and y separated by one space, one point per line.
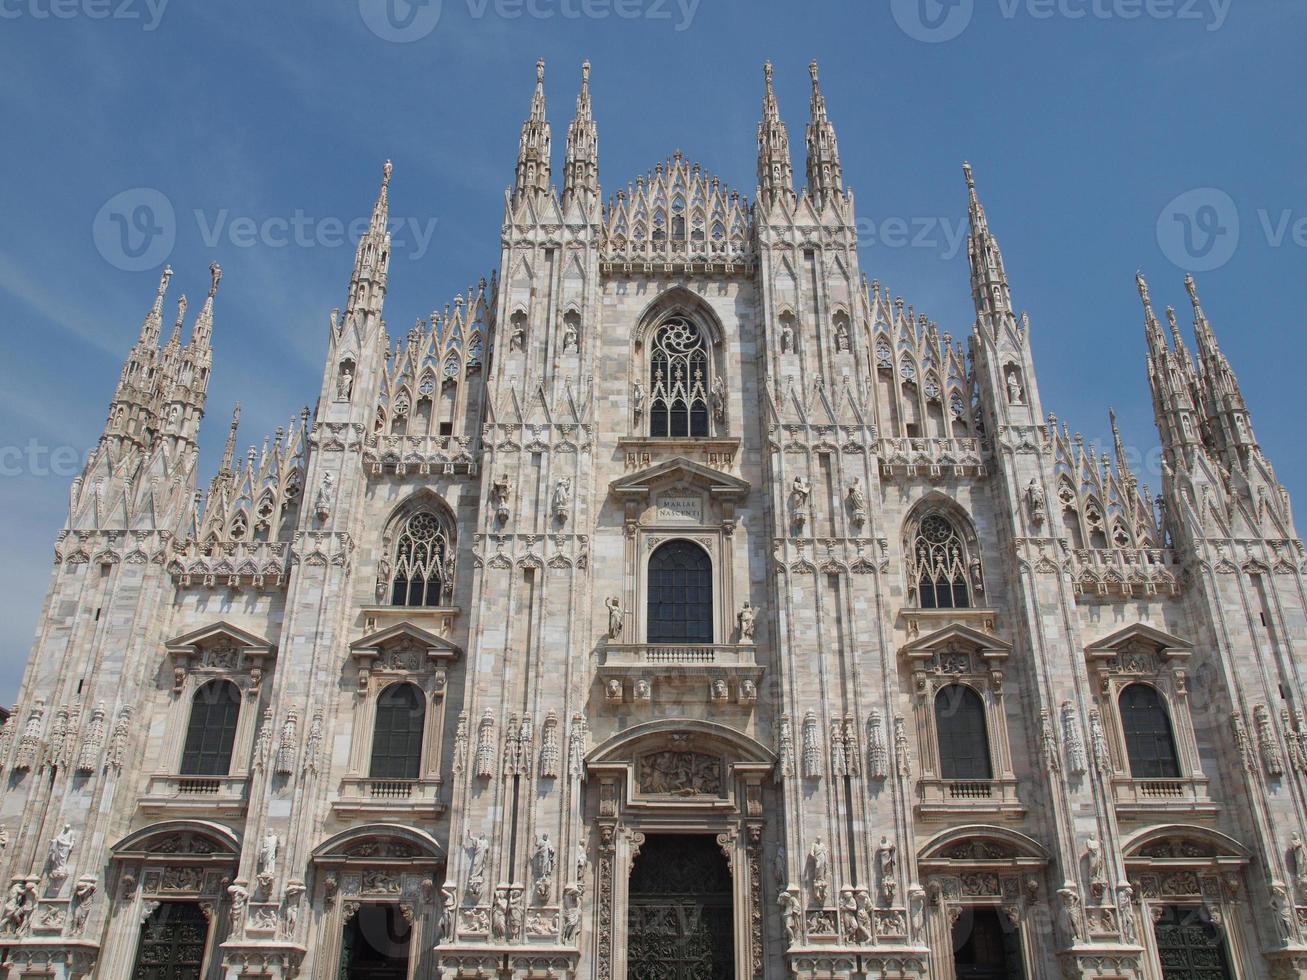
423 562
678 381
939 565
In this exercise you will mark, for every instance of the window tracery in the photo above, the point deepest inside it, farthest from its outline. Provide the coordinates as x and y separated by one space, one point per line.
938 568
678 380
423 568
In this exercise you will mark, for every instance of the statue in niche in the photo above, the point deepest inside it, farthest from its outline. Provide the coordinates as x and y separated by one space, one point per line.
517 340
841 335
500 492
1035 501
787 337
267 862
719 401
748 617
858 502
544 858
819 870
447 911
637 399
562 497
800 491
571 914
614 605
571 339
789 916
345 383
322 500
1016 395
478 846
61 848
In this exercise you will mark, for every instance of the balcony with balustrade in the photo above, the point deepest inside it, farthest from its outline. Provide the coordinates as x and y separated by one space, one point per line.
363 795
171 794
991 798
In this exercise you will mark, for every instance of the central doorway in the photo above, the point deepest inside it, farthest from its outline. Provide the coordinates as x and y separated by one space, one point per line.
376 945
681 921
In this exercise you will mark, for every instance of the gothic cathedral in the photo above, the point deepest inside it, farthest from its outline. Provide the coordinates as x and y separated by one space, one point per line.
675 605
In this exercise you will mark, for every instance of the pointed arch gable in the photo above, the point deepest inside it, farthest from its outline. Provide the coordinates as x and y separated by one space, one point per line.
201 838
996 844
672 302
379 841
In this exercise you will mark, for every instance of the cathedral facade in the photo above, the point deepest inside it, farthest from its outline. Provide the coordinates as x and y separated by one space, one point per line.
675 604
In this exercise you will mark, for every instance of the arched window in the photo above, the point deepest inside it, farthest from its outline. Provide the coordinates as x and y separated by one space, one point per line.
397 735
678 380
962 735
1148 739
211 732
938 565
680 594
423 568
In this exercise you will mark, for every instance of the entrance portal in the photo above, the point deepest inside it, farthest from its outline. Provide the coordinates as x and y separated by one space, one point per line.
172 943
681 919
1189 946
985 946
376 945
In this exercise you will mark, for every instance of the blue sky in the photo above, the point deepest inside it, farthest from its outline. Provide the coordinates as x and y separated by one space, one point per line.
1090 124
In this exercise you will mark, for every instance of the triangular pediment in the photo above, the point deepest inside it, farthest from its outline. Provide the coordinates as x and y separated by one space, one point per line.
957 636
220 631
1143 634
435 646
684 471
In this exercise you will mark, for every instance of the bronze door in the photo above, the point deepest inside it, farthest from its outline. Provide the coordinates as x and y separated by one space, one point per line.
172 943
681 916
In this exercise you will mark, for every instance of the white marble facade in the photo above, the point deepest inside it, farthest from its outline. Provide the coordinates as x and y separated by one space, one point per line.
893 526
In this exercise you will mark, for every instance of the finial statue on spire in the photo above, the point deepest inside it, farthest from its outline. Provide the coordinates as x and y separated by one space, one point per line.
1142 283
164 279
215 277
812 70
585 71
387 169
971 177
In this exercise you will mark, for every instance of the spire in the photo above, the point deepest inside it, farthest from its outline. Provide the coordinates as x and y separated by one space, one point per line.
1169 379
989 286
154 319
204 322
581 180
367 286
825 178
175 341
1228 421
775 171
1118 446
229 452
533 151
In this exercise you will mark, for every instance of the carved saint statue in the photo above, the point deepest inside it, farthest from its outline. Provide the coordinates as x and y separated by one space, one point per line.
545 857
562 497
517 341
345 384
614 605
448 906
267 856
571 340
1015 393
571 914
582 862
1298 859
787 337
819 869
60 849
500 491
637 399
841 335
747 618
719 401
1035 501
789 916
887 857
478 845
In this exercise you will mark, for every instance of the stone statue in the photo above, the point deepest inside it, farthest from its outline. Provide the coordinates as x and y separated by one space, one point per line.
719 401
841 335
787 337
267 857
887 857
1015 394
1284 913
582 862
479 844
345 384
1298 859
517 340
614 605
544 858
61 848
239 902
571 340
1125 912
819 870
864 931
16 911
747 617
637 399
858 502
322 500
848 913
83 894
571 914
562 497
1097 874
789 916
448 906
1068 916
500 492
499 916
1035 501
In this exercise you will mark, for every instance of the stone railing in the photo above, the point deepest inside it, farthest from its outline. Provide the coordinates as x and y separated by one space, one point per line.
1145 796
167 793
422 455
365 795
1124 572
256 564
721 672
930 457
949 797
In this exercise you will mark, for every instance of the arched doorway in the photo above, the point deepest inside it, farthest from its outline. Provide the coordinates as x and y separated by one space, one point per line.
680 918
376 944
